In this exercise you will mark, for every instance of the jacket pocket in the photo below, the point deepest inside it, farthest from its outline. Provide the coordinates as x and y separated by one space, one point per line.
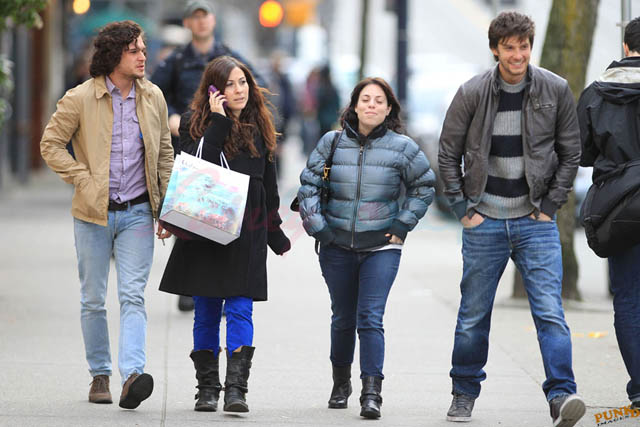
86 196
543 120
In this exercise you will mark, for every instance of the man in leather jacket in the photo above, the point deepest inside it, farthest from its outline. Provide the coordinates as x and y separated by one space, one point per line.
509 152
610 134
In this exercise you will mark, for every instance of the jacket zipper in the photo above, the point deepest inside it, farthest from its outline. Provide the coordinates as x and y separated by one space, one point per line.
528 103
357 202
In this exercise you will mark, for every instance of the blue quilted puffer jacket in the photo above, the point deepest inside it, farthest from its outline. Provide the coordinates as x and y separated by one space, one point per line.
365 188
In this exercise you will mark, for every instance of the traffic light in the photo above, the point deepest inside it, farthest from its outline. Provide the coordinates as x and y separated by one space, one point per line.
299 12
80 7
270 13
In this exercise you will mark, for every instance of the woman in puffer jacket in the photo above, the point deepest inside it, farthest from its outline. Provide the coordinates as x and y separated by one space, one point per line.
362 228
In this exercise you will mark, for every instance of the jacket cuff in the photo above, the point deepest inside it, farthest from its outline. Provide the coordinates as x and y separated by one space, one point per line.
547 207
278 241
459 209
325 236
399 229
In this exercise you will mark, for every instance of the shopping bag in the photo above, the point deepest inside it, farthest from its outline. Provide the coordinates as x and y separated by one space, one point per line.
204 199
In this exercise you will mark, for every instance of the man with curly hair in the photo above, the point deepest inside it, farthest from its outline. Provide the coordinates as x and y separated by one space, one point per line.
117 122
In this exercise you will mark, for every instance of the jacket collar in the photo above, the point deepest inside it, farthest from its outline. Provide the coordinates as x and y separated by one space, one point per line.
530 76
142 86
351 126
218 49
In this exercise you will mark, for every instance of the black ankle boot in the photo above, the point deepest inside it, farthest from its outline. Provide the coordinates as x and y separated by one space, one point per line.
341 387
370 399
208 380
235 385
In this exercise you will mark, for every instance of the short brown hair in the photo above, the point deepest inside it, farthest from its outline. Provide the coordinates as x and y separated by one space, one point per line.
510 24
109 44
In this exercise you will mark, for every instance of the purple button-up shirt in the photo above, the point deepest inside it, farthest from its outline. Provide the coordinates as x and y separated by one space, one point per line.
126 171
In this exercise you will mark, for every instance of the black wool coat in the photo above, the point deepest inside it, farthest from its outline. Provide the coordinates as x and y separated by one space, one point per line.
207 268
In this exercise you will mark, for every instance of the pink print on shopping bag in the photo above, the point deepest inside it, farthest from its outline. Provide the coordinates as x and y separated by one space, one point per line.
204 199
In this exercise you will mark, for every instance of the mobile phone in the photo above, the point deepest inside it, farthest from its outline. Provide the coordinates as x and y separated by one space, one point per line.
213 89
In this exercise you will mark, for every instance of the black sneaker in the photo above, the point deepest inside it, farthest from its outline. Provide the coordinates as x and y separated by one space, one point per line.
635 404
566 410
460 409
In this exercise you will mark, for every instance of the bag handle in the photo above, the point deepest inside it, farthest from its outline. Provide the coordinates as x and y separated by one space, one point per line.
223 159
199 150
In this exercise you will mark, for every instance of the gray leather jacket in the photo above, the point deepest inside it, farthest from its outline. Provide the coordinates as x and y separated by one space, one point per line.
550 138
365 188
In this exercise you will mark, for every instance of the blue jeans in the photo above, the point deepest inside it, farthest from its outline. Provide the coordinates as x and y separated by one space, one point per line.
129 237
624 272
359 284
535 249
207 318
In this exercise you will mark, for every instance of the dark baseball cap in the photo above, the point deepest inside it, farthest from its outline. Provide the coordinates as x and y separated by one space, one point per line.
194 5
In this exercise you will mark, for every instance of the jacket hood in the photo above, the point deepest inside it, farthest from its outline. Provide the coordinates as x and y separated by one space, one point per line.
620 83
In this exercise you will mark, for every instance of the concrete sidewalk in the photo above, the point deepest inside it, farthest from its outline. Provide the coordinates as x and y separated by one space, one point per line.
45 380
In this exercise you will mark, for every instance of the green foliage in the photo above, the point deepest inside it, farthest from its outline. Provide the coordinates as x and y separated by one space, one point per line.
14 13
21 12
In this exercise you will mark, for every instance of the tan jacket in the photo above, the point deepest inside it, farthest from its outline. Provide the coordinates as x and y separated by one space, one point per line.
85 116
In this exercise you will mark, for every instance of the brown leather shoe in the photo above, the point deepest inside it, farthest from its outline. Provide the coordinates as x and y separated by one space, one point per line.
136 389
99 392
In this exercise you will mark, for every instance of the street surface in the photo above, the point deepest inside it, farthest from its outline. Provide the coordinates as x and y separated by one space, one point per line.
45 380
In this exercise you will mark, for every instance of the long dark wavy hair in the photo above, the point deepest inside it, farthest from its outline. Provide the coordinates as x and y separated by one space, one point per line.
109 44
255 118
393 120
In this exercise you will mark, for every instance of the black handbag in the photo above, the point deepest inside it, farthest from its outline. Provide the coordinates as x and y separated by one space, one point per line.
324 191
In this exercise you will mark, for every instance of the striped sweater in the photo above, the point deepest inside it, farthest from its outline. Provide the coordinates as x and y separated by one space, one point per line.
507 192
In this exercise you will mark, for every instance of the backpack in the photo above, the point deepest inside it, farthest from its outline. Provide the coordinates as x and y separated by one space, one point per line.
610 213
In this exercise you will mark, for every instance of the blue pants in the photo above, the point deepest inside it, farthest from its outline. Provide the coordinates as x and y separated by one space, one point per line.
359 284
207 318
624 272
129 236
534 247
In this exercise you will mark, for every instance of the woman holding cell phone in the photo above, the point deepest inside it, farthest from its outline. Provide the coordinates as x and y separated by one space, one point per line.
236 122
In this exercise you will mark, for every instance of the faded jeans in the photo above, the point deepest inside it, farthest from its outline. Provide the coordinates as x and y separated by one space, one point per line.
535 249
129 235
